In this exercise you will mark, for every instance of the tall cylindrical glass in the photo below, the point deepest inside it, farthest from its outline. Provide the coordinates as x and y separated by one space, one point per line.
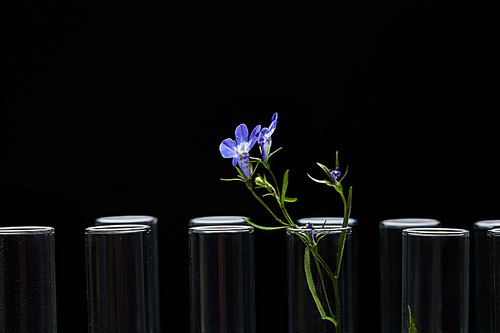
222 279
303 312
318 222
494 281
435 280
483 320
119 278
205 221
27 280
391 239
152 222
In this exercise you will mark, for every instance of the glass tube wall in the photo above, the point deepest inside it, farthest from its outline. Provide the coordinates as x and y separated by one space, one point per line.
435 280
27 280
222 279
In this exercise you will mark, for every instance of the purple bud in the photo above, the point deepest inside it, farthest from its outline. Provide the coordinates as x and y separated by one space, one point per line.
310 230
336 174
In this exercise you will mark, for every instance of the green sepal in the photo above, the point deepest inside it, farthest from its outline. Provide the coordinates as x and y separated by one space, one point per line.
345 174
320 181
242 174
274 152
326 170
262 182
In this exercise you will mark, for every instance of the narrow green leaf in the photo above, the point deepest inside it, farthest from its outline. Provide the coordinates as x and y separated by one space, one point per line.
274 152
413 328
312 287
316 180
325 169
263 227
345 174
231 179
285 186
310 282
349 202
290 199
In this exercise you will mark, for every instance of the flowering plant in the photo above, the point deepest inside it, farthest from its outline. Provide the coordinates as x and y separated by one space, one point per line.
247 166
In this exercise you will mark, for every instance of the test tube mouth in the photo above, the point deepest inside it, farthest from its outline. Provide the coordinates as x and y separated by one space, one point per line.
26 230
436 232
487 224
126 219
213 229
327 229
494 232
409 223
217 220
117 229
318 221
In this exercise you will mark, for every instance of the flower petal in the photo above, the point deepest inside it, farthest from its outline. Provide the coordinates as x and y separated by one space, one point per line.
275 117
263 135
244 164
272 127
241 133
254 136
228 148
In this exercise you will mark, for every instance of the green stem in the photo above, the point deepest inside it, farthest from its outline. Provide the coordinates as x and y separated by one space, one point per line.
278 197
337 303
268 167
340 251
250 188
318 266
287 216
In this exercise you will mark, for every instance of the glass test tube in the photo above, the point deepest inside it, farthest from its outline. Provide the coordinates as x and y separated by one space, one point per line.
222 279
152 222
119 278
435 280
493 272
391 240
481 306
303 313
318 222
27 280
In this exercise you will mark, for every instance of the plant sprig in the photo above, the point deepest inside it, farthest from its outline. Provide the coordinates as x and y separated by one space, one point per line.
247 166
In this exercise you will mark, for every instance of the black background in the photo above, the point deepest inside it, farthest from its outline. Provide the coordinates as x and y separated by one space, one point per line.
120 109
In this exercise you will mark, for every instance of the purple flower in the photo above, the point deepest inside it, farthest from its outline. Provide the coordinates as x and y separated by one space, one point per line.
335 174
239 150
265 137
310 230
